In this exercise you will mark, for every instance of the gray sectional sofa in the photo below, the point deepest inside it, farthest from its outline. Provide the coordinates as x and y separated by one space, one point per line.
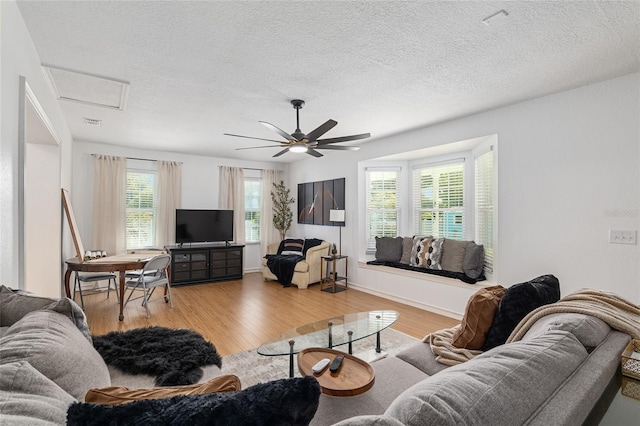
555 375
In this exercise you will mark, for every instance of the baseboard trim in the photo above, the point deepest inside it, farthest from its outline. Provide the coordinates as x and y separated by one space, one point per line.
423 306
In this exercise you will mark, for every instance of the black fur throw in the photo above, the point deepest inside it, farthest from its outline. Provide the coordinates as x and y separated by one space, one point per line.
285 402
174 356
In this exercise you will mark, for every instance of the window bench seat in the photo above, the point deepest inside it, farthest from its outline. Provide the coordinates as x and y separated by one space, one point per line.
448 274
435 293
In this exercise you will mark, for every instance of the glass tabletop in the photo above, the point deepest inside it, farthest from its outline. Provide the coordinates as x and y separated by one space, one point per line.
329 332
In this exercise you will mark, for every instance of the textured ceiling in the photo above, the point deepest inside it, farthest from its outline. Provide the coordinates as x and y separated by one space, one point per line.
200 69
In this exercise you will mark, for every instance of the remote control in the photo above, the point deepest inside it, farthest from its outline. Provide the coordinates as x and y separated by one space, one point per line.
320 365
336 363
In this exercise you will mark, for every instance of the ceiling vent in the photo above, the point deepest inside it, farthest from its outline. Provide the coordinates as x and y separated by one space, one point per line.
87 89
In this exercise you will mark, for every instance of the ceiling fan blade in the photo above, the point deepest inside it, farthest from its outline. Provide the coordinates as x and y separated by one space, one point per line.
279 131
313 152
251 137
344 139
282 152
321 130
256 147
338 147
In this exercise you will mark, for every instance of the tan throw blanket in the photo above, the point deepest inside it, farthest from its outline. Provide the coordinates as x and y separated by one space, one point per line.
617 312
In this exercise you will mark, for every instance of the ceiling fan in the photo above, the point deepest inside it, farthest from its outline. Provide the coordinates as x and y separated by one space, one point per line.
300 142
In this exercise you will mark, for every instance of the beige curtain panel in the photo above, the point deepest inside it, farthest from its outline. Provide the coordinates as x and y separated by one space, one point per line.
109 210
169 199
231 193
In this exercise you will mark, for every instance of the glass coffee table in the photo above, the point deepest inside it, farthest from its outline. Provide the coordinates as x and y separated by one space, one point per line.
329 333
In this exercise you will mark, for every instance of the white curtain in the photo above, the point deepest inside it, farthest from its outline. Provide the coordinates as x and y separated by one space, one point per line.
109 209
268 233
231 195
169 199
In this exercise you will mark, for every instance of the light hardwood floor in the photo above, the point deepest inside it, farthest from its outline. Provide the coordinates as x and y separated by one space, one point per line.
241 315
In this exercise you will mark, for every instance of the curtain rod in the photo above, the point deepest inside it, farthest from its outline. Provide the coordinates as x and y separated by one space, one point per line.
136 158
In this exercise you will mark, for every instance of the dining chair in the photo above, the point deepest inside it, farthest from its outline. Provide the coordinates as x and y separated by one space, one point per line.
153 274
85 277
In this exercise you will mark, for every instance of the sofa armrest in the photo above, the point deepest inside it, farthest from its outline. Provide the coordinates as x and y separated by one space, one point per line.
314 253
273 248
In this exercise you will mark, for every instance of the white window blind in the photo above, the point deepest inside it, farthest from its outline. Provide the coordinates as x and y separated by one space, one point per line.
252 203
140 209
484 187
438 200
382 205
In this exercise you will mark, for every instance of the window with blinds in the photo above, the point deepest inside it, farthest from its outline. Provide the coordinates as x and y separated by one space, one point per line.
484 187
252 206
382 205
438 200
140 209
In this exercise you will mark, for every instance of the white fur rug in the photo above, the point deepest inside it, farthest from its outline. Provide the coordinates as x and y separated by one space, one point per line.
252 368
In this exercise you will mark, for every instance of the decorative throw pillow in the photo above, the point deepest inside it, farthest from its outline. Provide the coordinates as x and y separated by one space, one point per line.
116 395
279 402
478 316
453 252
55 347
388 249
419 251
15 304
310 243
27 397
435 254
473 262
291 247
517 302
407 245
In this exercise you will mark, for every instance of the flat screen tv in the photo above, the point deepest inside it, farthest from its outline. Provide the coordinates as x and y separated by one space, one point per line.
199 226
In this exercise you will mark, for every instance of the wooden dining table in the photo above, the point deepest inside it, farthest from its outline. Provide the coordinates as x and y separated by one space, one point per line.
117 263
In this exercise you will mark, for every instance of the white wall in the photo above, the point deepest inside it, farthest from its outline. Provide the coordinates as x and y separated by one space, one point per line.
18 57
199 185
569 172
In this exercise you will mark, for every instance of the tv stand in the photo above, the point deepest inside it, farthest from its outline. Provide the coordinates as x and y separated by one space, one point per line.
205 263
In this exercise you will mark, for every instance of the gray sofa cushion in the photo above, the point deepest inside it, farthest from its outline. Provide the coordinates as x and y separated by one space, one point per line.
473 262
15 304
407 246
480 391
29 398
57 349
422 357
393 376
370 421
453 254
388 249
590 331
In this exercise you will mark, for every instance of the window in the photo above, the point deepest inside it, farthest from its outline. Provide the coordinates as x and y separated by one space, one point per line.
252 206
484 206
140 209
382 205
438 200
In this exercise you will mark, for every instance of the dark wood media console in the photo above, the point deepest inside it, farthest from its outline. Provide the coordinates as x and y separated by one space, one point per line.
205 263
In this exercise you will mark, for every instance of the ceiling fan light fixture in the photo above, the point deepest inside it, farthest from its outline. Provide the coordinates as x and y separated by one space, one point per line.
298 147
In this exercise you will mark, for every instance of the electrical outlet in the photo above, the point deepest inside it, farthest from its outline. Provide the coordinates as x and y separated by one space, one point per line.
622 237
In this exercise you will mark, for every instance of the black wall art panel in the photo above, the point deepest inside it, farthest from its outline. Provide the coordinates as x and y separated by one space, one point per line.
315 199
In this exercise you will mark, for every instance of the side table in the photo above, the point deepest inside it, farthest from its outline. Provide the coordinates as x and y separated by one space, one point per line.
354 377
332 278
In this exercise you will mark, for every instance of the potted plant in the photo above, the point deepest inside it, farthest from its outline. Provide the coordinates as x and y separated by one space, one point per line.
282 214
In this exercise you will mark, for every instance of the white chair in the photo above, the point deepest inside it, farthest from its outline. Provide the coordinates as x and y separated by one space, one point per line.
154 274
84 277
